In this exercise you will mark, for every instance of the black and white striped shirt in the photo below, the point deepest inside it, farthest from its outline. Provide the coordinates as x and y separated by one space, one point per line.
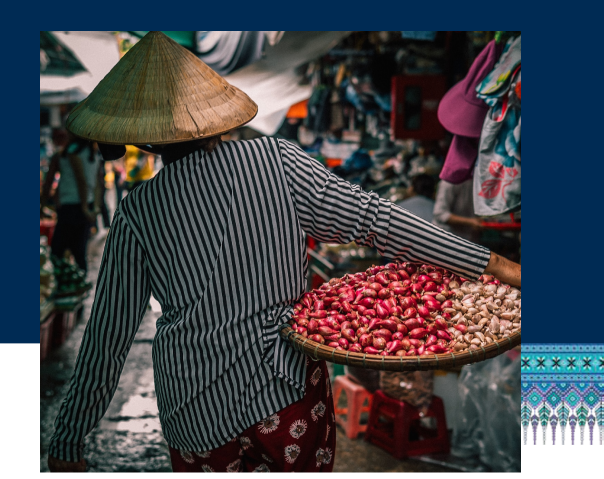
219 239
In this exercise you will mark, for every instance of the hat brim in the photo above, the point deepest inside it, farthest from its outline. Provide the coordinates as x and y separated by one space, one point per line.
460 117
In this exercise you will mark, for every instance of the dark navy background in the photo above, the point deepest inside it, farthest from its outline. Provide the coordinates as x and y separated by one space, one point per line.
562 190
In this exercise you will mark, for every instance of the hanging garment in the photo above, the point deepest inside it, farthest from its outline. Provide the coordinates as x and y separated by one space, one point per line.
226 52
497 83
497 171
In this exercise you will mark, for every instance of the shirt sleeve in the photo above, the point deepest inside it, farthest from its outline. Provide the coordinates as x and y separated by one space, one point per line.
444 199
121 297
332 210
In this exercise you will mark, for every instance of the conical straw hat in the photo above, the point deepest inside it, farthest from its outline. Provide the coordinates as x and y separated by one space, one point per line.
160 92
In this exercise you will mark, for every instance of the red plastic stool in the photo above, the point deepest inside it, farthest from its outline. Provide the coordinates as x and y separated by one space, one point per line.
402 420
355 396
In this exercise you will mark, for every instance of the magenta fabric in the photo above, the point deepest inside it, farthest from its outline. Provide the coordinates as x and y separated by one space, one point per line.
461 157
460 111
299 438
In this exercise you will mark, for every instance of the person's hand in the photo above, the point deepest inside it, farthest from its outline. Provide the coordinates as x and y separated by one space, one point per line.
57 465
476 223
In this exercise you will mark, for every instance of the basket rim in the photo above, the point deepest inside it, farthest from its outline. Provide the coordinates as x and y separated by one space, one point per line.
396 363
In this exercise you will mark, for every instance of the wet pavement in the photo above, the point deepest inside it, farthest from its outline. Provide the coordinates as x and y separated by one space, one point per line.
129 437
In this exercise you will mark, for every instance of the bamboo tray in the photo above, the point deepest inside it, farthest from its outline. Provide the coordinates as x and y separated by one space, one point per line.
395 363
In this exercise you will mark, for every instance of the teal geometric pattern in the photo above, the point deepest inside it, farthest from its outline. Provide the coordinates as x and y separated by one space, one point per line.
562 389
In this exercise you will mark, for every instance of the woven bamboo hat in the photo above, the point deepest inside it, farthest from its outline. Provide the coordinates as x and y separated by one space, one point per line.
158 93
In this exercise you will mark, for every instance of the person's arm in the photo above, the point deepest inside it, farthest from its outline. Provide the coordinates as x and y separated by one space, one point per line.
50 176
334 211
445 197
463 221
121 298
503 269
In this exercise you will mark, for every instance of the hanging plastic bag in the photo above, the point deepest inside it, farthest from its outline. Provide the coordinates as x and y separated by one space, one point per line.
497 170
489 419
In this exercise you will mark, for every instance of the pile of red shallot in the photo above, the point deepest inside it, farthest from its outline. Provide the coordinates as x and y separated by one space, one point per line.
407 309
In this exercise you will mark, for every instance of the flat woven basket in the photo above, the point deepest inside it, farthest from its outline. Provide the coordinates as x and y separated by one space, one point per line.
395 363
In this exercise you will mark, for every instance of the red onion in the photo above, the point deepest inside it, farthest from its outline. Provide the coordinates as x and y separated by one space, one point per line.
328 301
361 309
302 322
401 328
317 338
382 279
461 327
326 331
366 340
382 310
411 352
407 302
422 278
398 336
367 302
412 324
383 333
332 337
343 342
410 268
416 288
384 293
388 324
379 343
441 323
355 323
377 287
418 333
395 346
402 352
373 323
346 325
421 349
340 318
423 311
390 303
436 277
313 326
349 335
333 344
414 342
437 349
447 304
318 314
431 340
409 313
336 305
431 328
443 335
370 313
346 307
303 331
430 286
318 305
361 331
355 348
371 350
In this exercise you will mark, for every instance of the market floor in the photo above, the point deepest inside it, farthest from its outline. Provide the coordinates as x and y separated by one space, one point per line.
129 436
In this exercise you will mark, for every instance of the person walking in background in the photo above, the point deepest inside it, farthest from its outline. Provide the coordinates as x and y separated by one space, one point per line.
454 210
420 197
78 199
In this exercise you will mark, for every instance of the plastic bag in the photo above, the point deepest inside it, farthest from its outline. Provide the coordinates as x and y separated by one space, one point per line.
489 421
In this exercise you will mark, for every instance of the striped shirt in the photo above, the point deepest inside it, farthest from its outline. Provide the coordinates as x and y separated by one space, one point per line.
220 241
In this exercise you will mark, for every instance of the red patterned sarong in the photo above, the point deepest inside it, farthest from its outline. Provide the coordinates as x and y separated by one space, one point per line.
299 438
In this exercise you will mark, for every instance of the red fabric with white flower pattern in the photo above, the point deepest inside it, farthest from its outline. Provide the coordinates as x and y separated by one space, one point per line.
299 438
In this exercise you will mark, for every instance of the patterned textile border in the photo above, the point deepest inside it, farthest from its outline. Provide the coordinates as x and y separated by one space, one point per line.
562 384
